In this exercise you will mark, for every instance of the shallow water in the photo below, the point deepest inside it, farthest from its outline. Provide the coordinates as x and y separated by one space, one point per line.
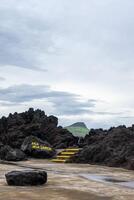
109 179
129 184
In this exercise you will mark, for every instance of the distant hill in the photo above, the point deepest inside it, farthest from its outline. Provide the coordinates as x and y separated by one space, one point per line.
79 124
78 129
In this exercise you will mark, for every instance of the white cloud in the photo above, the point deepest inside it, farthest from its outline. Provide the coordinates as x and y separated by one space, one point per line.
84 47
2 78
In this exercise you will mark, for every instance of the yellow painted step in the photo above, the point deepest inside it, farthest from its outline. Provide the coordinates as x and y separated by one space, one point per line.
58 160
64 156
72 149
68 153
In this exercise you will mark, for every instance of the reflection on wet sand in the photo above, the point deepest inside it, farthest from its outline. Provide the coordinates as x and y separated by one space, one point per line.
109 179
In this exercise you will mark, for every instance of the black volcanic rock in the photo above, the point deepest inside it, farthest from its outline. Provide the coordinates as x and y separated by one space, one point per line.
9 154
26 178
18 126
114 147
37 148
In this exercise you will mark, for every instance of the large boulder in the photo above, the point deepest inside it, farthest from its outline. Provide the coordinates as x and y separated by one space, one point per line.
9 154
26 178
37 148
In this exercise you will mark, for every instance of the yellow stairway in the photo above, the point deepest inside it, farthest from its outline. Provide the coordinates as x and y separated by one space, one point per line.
65 155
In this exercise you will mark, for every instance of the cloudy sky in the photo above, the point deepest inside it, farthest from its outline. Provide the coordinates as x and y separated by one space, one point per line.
71 58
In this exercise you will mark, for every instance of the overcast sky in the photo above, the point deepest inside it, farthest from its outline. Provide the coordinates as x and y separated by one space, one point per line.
72 58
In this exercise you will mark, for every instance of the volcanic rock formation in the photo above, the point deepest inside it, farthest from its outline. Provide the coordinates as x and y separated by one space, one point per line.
114 147
15 128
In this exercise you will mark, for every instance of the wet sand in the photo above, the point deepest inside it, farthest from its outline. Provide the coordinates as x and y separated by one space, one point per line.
66 182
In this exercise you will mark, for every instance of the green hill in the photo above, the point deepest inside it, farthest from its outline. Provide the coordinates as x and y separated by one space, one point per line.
78 129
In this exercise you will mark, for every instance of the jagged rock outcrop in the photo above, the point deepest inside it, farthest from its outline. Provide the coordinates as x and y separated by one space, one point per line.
26 178
16 127
114 147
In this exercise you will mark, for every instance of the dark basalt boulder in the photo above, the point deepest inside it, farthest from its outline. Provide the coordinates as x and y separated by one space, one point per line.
9 154
26 178
35 147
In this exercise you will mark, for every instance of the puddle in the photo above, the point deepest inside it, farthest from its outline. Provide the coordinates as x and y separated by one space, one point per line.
129 184
112 180
94 177
109 179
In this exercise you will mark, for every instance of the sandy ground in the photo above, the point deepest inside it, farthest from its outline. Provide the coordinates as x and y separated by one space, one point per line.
66 182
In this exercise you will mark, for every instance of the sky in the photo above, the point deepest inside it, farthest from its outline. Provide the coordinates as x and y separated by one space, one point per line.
71 58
